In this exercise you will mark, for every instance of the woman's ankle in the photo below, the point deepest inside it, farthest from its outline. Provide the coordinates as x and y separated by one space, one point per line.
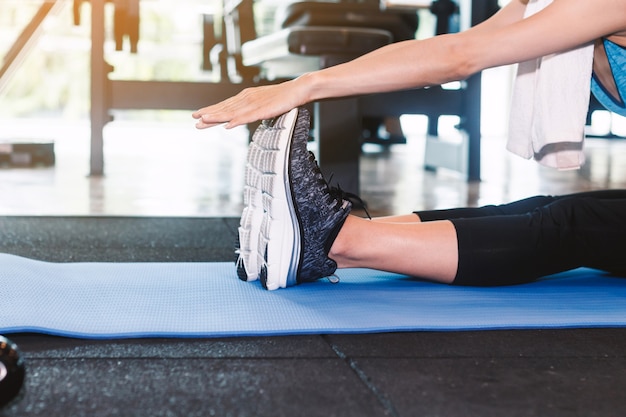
344 243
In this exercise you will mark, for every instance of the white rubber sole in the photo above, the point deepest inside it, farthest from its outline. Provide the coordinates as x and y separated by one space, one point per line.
248 267
279 239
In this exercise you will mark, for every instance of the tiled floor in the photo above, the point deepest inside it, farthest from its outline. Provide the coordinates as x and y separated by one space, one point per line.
171 169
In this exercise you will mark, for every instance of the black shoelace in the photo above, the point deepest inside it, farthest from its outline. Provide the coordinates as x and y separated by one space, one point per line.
335 192
356 201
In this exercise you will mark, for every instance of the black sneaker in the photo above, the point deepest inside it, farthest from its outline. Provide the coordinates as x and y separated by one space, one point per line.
302 215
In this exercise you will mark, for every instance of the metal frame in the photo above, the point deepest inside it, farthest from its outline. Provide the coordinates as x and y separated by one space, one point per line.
26 37
339 144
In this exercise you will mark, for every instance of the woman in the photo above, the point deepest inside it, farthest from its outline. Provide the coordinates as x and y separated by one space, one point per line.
488 246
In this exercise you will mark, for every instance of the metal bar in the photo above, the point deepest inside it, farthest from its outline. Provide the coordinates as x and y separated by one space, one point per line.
470 122
337 128
481 10
435 100
99 78
19 47
169 95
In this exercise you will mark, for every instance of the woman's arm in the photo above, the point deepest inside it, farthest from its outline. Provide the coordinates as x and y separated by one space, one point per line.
505 38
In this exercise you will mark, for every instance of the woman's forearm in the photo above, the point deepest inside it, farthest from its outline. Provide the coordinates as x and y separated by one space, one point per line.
414 63
399 66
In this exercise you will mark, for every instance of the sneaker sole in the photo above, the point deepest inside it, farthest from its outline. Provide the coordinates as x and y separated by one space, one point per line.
248 267
279 240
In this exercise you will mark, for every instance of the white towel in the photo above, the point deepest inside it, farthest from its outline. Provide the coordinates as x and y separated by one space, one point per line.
550 103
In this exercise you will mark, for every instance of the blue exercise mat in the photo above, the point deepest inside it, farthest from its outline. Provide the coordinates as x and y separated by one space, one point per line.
115 300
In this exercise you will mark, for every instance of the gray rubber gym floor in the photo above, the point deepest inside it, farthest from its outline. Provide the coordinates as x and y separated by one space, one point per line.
490 373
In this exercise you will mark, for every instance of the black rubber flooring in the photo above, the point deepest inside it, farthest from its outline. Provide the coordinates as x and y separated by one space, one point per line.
580 372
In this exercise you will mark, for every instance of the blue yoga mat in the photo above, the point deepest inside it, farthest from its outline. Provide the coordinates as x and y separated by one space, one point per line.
116 300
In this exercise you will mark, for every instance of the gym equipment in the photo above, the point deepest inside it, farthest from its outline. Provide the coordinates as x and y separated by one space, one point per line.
12 371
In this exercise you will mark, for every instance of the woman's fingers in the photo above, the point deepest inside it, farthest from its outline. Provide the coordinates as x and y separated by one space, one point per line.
250 105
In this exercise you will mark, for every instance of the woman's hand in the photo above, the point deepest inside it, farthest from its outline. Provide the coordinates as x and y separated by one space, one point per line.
251 105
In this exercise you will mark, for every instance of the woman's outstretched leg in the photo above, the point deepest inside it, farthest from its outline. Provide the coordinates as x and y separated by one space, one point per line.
522 206
517 207
569 232
427 250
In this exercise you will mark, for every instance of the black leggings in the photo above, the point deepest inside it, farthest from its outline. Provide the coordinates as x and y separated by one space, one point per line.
538 236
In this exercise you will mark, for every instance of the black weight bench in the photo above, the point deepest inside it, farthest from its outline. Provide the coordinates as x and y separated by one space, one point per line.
294 51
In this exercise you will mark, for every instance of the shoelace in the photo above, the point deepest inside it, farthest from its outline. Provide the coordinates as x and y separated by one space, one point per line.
335 192
356 201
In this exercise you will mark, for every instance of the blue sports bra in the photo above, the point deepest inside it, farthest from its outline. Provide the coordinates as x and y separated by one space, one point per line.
616 55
